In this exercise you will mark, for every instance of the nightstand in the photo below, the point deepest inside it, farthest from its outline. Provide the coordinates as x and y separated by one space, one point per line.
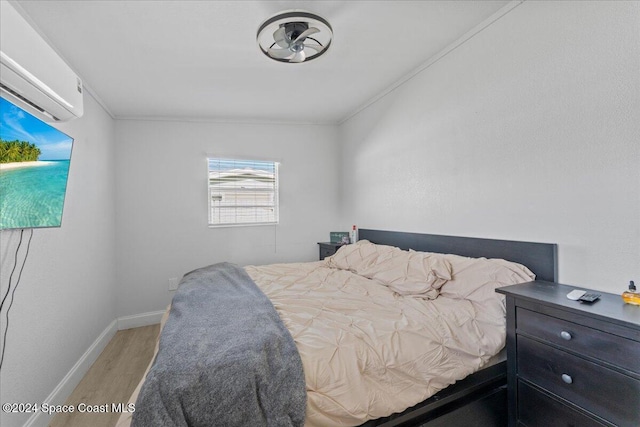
328 249
571 363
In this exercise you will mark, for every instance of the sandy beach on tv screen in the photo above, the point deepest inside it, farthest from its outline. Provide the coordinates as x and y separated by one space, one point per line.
16 165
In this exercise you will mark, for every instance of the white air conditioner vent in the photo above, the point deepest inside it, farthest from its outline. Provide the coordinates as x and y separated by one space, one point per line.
26 101
32 74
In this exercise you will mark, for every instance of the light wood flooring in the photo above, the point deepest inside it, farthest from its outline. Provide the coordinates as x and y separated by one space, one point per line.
112 378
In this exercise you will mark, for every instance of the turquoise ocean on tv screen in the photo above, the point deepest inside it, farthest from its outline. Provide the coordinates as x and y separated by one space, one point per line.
34 166
33 196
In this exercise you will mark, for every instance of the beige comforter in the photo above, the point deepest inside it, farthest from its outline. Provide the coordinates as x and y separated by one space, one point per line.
379 329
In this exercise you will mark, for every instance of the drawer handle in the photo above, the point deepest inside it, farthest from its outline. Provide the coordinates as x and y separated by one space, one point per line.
565 335
567 378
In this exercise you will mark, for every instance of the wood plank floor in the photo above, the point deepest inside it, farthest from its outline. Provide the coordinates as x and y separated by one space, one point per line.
112 378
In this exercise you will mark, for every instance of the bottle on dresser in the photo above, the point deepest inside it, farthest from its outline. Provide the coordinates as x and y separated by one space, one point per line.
353 235
632 296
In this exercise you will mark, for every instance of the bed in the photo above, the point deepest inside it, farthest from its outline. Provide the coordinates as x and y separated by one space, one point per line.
430 298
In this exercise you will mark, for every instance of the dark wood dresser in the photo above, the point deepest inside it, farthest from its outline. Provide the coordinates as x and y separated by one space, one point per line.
571 363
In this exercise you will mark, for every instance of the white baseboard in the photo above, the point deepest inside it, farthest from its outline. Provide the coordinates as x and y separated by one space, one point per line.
63 390
137 320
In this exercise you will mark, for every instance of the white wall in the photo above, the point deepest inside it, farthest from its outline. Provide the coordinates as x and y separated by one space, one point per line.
162 227
66 296
528 131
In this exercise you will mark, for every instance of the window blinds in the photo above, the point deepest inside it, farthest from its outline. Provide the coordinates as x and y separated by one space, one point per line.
242 192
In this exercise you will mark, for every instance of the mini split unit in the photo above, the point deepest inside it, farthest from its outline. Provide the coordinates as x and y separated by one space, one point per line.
32 75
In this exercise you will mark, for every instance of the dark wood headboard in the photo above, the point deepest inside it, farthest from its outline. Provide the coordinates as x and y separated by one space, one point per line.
540 258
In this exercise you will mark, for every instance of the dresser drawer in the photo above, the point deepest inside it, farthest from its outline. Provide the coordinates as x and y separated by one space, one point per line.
580 339
599 390
535 408
328 249
326 252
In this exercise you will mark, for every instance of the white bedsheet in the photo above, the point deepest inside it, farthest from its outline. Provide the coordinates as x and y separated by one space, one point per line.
369 352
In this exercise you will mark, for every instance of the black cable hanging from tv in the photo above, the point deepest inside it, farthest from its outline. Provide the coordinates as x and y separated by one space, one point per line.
15 264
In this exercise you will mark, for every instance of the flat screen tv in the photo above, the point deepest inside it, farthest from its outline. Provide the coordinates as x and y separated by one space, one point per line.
34 166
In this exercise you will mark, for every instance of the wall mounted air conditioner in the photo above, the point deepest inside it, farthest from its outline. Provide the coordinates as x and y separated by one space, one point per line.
32 74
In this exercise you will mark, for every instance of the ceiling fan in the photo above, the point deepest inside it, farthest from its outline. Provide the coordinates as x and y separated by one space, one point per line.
294 36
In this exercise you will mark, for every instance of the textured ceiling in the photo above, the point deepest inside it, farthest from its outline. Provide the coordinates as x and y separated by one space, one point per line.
200 59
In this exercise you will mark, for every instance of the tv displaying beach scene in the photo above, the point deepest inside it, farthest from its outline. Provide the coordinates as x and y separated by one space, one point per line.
34 166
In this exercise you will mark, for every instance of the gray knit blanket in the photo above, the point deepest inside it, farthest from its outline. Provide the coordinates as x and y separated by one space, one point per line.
225 358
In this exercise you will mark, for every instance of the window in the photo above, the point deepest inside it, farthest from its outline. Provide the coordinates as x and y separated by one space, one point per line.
242 192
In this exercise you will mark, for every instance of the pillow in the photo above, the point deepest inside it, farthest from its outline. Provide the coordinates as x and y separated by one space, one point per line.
408 273
474 281
477 278
357 256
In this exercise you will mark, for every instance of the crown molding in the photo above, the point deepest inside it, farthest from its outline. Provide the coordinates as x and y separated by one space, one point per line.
435 58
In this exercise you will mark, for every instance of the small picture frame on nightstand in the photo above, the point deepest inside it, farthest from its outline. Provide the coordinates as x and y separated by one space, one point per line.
339 237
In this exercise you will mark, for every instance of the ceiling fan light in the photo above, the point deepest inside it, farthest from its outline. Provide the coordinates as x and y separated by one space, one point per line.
292 30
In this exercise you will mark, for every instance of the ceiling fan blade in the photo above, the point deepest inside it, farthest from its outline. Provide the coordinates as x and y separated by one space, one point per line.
315 47
280 37
299 57
305 34
280 53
